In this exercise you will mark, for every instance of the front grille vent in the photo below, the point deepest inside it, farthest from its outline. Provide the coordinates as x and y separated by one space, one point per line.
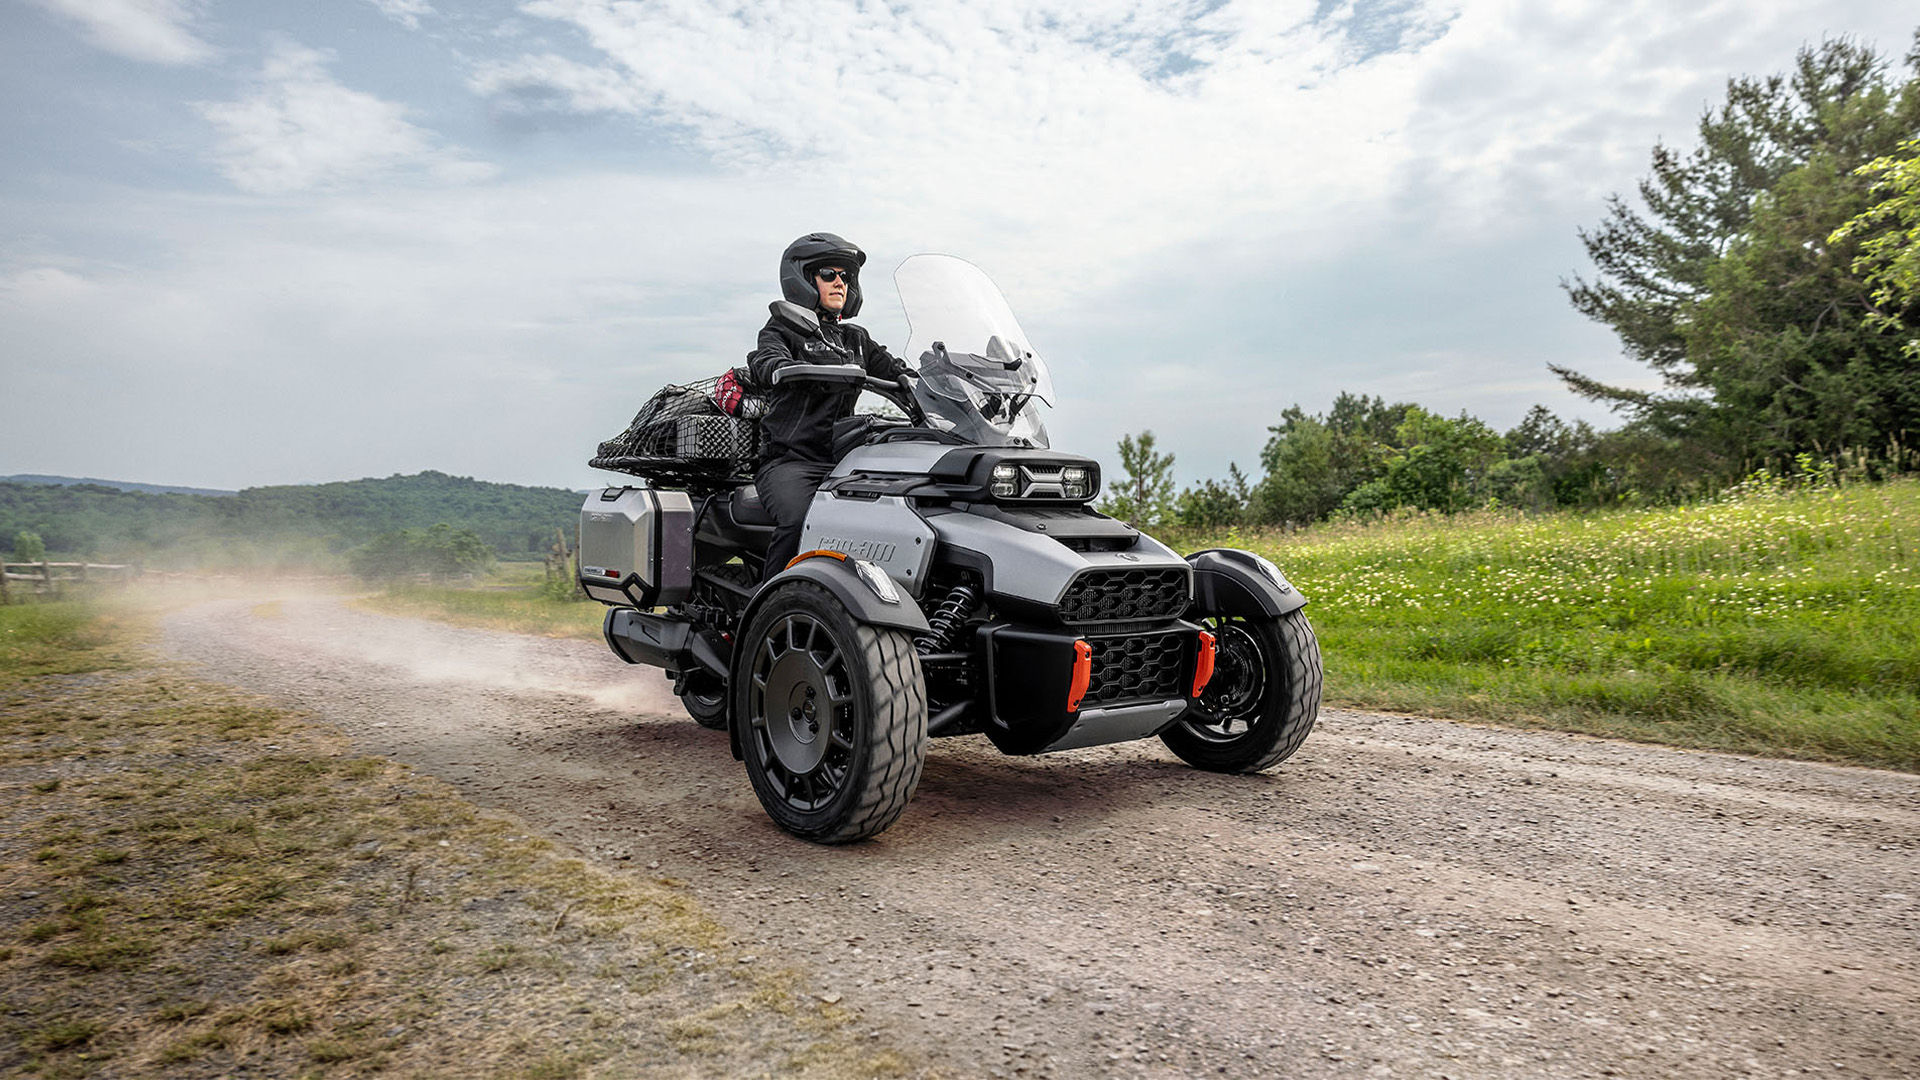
1135 668
1115 595
1096 543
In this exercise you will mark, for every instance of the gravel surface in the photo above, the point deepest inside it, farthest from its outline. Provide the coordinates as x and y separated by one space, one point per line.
1405 897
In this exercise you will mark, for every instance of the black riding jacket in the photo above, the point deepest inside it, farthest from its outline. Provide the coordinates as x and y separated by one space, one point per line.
800 415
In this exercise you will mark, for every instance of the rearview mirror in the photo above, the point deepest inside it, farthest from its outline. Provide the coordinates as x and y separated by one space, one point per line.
796 318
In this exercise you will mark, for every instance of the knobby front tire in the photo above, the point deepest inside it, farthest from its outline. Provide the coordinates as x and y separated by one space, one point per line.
833 717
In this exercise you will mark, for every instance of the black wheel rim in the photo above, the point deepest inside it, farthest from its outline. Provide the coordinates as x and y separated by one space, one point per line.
800 712
1230 705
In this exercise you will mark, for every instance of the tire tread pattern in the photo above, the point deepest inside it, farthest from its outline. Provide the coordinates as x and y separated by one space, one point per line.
1303 656
899 728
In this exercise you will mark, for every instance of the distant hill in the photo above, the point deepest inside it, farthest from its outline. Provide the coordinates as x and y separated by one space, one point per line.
123 485
295 525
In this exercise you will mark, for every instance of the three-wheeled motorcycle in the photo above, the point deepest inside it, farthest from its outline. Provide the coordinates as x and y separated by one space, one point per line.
954 579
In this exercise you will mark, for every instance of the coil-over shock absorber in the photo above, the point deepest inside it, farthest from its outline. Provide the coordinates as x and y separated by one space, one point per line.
947 619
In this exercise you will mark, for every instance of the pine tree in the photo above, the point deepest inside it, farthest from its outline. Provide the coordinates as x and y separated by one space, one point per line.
1729 286
1144 498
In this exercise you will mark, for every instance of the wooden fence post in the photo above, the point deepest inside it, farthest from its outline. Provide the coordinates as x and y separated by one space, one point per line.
569 561
4 597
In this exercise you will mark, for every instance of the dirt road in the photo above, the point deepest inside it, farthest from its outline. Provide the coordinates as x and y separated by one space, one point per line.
1403 898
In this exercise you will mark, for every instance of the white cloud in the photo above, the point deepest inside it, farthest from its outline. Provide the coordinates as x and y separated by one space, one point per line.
151 30
405 12
1059 133
1523 109
43 285
1104 130
302 129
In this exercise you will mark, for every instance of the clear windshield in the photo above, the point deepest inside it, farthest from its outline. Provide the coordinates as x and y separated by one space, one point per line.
978 374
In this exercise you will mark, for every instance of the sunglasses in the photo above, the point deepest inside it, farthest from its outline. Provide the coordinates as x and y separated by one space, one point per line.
831 275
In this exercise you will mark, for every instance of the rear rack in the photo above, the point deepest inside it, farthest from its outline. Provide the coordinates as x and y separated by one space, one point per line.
681 438
679 472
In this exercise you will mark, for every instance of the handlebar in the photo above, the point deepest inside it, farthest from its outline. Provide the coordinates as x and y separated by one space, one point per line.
853 375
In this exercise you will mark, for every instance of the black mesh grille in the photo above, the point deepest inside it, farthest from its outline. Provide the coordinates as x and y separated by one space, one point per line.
1138 667
1125 595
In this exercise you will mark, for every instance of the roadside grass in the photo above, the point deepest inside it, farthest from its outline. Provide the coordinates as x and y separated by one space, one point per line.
56 637
197 885
516 597
1773 621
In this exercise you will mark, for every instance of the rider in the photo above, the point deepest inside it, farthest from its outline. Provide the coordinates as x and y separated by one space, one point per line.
820 271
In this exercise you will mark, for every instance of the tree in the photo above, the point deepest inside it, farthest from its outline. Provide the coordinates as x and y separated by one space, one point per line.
387 557
1212 504
28 547
1313 462
1145 497
1730 286
1549 463
441 551
1888 234
1443 465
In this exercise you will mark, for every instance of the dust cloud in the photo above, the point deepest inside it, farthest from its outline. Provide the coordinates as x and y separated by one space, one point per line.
432 653
281 616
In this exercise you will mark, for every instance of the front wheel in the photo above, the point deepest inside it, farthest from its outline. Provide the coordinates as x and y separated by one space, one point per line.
1262 700
833 717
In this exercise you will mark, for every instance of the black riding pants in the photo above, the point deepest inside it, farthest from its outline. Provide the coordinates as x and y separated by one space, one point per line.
786 489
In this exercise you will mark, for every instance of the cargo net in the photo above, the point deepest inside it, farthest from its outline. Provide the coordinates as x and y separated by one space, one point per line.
681 435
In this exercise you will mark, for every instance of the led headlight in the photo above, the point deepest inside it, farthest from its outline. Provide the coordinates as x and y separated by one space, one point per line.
1076 482
1006 481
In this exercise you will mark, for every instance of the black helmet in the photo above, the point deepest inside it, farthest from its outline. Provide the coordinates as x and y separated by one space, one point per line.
819 249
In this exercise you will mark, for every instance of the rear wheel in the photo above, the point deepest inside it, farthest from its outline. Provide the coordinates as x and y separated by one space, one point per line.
1262 700
705 696
833 717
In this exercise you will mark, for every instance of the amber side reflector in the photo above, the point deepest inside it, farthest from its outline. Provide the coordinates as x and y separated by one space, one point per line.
1203 671
1082 675
841 555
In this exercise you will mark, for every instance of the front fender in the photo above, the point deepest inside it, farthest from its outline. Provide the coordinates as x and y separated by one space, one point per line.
840 579
1227 581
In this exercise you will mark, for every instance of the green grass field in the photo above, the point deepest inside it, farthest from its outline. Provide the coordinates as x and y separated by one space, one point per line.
55 638
516 598
1772 621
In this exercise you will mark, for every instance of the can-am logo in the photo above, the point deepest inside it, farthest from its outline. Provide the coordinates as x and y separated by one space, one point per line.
870 550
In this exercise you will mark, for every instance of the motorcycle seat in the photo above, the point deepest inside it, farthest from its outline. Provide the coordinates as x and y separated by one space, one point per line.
745 506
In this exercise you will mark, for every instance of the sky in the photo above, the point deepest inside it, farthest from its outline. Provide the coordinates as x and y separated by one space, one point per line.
266 243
